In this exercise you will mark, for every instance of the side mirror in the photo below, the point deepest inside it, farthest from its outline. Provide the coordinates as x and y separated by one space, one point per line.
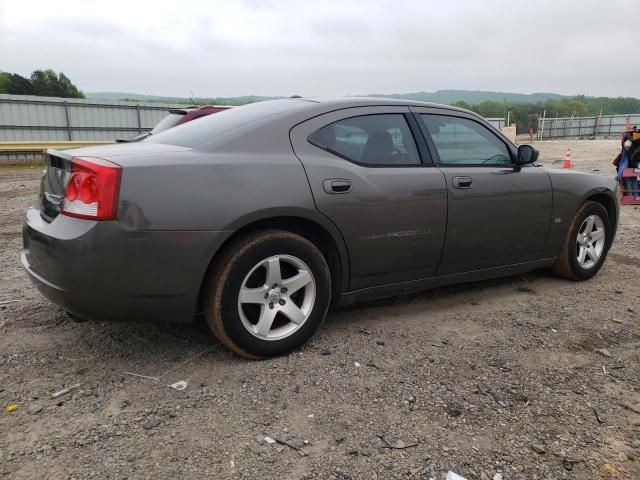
527 154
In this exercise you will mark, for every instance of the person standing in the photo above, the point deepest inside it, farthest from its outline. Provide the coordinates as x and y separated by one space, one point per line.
628 126
629 184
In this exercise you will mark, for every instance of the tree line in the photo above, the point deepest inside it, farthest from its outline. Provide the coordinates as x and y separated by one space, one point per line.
525 115
45 83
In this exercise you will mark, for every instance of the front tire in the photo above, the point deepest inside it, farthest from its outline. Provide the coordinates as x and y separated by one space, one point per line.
267 294
587 243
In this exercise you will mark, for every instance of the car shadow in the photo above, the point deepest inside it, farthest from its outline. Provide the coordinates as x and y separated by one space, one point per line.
150 349
471 293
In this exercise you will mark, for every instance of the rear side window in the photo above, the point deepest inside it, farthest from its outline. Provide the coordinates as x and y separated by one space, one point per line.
460 141
370 140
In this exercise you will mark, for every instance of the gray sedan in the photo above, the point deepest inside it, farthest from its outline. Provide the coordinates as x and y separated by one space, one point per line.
260 217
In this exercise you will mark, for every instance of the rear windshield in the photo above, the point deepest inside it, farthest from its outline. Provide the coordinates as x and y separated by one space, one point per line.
167 122
191 134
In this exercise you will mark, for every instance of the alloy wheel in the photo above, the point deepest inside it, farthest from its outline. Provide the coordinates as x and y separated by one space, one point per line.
276 297
590 241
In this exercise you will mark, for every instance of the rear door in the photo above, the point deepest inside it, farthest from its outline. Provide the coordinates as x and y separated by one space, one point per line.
367 176
499 213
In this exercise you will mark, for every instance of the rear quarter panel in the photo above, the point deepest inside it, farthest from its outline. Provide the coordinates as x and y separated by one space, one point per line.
209 191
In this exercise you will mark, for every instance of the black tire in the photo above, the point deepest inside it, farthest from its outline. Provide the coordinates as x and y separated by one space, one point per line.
567 265
223 283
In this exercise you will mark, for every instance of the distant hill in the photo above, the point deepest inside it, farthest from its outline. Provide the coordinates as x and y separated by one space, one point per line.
177 100
441 96
471 97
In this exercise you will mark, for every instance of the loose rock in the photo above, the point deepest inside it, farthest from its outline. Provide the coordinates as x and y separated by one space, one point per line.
538 449
151 423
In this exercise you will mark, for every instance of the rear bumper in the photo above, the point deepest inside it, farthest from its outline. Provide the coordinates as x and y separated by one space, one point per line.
101 271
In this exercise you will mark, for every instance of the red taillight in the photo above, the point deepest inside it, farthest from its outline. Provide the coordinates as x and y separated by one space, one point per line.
93 189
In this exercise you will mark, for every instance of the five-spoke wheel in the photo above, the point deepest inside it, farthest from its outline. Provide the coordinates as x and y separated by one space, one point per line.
282 300
588 239
267 293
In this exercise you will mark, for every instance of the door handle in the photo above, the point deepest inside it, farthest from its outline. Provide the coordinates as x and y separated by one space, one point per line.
462 182
336 185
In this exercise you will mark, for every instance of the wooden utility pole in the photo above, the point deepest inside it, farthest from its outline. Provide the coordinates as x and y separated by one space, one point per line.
596 128
541 129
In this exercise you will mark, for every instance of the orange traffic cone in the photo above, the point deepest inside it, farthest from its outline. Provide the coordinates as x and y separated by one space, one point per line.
567 159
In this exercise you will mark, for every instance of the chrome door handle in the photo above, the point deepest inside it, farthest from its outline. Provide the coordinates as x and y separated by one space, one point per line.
336 185
462 182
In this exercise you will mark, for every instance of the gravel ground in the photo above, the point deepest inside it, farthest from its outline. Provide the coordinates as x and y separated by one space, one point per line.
526 377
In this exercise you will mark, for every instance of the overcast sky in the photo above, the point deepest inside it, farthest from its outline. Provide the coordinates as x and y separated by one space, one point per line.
327 47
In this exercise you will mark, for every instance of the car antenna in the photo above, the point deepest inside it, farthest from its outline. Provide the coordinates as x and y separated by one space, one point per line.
193 101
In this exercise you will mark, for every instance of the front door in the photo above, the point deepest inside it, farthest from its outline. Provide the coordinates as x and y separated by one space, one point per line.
499 213
367 175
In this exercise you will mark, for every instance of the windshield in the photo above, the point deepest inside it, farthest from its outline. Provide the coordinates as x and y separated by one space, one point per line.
191 134
167 122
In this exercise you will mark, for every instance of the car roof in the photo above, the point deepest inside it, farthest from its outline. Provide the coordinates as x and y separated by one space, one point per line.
346 102
331 103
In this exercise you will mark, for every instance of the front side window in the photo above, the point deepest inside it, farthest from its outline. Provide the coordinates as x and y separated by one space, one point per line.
460 141
371 140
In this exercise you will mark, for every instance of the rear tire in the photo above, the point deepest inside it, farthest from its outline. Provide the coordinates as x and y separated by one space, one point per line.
585 248
267 294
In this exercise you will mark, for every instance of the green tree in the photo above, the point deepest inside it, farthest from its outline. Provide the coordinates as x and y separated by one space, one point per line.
48 83
4 81
15 84
462 104
68 89
491 109
578 108
45 83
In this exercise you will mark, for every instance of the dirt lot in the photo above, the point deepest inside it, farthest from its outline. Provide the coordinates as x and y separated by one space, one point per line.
527 377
